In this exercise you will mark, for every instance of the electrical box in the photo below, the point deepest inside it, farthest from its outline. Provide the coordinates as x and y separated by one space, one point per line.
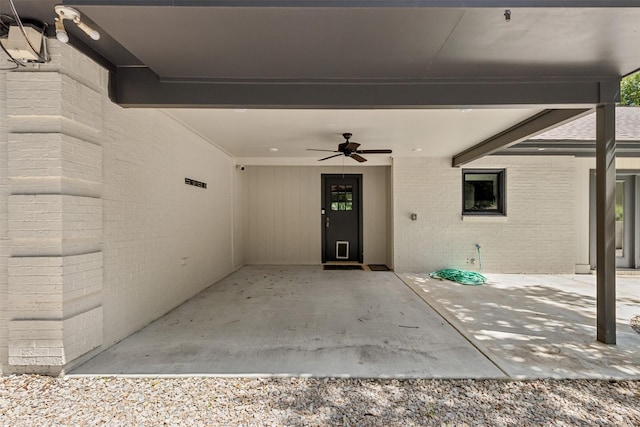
17 45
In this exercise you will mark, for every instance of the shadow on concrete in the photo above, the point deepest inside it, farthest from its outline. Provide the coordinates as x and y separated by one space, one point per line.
536 326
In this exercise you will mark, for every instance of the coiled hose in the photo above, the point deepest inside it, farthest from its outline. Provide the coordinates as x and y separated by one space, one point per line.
463 277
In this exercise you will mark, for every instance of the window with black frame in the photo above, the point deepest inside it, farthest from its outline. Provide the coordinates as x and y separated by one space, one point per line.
483 192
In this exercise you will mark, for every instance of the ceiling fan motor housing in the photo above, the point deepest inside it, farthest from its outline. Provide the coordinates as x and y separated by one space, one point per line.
350 149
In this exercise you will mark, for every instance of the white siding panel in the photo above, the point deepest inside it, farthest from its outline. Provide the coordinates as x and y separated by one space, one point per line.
284 213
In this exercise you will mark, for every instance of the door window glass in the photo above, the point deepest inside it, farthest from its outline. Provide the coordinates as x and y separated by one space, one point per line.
341 197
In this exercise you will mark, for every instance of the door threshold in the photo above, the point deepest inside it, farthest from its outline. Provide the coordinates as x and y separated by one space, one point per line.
342 263
334 267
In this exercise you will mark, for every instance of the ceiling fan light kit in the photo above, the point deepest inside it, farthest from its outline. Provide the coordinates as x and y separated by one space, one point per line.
350 149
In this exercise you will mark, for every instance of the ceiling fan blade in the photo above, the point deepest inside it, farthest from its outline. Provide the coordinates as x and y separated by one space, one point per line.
386 151
330 157
358 158
352 146
315 149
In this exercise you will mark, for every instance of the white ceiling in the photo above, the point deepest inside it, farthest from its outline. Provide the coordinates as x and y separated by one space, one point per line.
249 134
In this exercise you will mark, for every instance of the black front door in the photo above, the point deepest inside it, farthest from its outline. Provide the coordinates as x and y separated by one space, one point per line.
341 218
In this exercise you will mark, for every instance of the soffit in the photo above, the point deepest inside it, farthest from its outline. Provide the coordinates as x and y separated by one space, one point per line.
242 40
374 43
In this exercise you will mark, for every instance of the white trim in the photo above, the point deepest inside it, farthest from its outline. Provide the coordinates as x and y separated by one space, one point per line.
342 242
485 218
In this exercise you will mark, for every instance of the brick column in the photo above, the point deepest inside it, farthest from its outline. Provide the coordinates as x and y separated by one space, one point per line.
54 268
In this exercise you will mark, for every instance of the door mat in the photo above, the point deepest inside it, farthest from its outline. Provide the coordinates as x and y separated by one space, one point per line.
342 267
378 267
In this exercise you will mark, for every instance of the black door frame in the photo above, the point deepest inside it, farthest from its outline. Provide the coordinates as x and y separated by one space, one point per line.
358 178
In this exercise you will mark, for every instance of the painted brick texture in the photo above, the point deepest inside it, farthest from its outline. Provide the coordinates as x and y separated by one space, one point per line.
164 241
54 155
54 216
4 226
54 287
53 343
53 94
102 234
536 236
53 180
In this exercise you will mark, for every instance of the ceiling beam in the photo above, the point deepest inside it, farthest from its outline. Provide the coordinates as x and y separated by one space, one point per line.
141 87
534 125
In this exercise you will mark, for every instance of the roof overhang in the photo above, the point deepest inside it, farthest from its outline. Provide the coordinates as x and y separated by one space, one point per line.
534 125
357 53
578 138
361 54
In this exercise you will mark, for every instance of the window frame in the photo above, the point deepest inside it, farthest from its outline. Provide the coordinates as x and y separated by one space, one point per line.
501 209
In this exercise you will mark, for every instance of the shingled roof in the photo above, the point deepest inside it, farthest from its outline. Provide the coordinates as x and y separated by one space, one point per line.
584 128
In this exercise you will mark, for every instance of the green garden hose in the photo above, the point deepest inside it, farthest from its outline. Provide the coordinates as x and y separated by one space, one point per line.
463 277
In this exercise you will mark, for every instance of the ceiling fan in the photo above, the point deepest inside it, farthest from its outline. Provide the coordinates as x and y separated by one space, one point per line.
350 149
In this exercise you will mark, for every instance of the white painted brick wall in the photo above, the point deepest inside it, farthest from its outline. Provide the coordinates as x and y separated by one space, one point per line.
54 343
163 240
52 180
54 287
82 333
36 342
4 240
54 154
537 236
40 94
54 216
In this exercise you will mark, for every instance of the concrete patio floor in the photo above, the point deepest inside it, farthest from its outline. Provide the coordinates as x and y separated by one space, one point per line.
299 321
540 326
303 321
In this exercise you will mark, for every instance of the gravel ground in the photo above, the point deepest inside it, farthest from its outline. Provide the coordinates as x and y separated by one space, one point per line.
29 400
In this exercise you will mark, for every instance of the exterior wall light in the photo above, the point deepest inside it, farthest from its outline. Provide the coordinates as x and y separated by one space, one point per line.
65 12
61 33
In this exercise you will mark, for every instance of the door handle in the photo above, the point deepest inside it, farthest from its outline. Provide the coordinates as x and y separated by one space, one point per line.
327 222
